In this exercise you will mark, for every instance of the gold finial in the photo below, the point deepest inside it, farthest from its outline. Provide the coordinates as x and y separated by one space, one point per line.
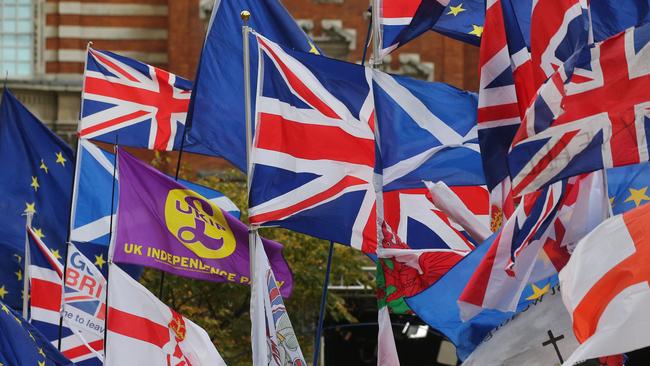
245 15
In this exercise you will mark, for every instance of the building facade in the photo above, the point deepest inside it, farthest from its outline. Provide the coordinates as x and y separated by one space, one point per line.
43 44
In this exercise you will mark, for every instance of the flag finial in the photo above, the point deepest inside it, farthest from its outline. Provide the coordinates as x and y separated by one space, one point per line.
245 15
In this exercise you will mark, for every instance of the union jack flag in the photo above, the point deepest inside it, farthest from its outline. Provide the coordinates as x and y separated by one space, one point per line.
314 148
593 113
46 279
535 242
144 105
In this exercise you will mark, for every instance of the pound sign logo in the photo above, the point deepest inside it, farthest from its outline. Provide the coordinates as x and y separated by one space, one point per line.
199 225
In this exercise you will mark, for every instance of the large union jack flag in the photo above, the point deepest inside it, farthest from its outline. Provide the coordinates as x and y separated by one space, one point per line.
593 113
314 148
144 105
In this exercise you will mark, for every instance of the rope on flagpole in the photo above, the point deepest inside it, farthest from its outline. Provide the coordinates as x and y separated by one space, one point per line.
323 305
73 195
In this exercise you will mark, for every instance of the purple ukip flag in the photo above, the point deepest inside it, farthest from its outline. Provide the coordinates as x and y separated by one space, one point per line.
164 225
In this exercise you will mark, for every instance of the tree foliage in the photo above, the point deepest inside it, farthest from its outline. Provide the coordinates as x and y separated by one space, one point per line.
223 308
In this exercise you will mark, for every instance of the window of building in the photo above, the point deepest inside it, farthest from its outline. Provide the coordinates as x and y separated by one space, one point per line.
16 38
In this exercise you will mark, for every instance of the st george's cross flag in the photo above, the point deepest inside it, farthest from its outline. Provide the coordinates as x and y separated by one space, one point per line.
164 225
605 287
313 154
274 341
144 331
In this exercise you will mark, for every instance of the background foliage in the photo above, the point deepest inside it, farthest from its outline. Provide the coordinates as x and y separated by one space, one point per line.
223 308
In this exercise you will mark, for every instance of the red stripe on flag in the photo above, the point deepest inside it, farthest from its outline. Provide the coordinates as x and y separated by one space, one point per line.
46 295
497 112
82 350
112 65
136 327
477 199
495 34
313 142
399 8
113 122
474 292
545 161
303 90
344 183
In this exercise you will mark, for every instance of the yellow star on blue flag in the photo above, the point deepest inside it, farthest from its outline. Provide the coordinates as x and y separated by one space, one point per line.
29 150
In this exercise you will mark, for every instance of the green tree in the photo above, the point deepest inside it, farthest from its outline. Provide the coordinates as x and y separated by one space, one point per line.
223 308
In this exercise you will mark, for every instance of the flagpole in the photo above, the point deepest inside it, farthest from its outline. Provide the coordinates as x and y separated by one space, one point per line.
110 242
323 304
73 195
26 261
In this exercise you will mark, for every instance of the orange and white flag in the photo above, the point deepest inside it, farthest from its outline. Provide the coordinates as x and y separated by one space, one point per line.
606 287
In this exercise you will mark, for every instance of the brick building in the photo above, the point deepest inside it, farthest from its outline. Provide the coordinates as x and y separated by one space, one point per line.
43 42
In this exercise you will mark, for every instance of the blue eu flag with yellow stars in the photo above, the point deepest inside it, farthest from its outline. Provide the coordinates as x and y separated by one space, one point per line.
628 187
37 169
22 345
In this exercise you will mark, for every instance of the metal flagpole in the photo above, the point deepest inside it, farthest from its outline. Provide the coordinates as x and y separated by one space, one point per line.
323 304
26 261
246 30
73 196
110 241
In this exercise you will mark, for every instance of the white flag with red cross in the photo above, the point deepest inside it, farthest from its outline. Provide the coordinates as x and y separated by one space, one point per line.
606 287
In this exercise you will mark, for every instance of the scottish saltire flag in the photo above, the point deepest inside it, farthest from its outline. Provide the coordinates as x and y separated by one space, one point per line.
22 345
428 132
81 342
37 177
591 114
133 103
91 213
314 148
274 341
142 330
628 187
164 225
217 108
403 20
536 242
437 305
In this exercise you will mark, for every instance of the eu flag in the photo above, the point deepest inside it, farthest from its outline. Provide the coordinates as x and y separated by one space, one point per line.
216 114
23 345
37 173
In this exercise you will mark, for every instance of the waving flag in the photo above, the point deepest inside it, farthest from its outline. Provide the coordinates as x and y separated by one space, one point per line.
628 187
217 108
143 330
143 105
605 287
37 177
401 21
164 225
274 341
438 304
314 150
81 341
422 138
591 114
91 213
22 345
535 243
